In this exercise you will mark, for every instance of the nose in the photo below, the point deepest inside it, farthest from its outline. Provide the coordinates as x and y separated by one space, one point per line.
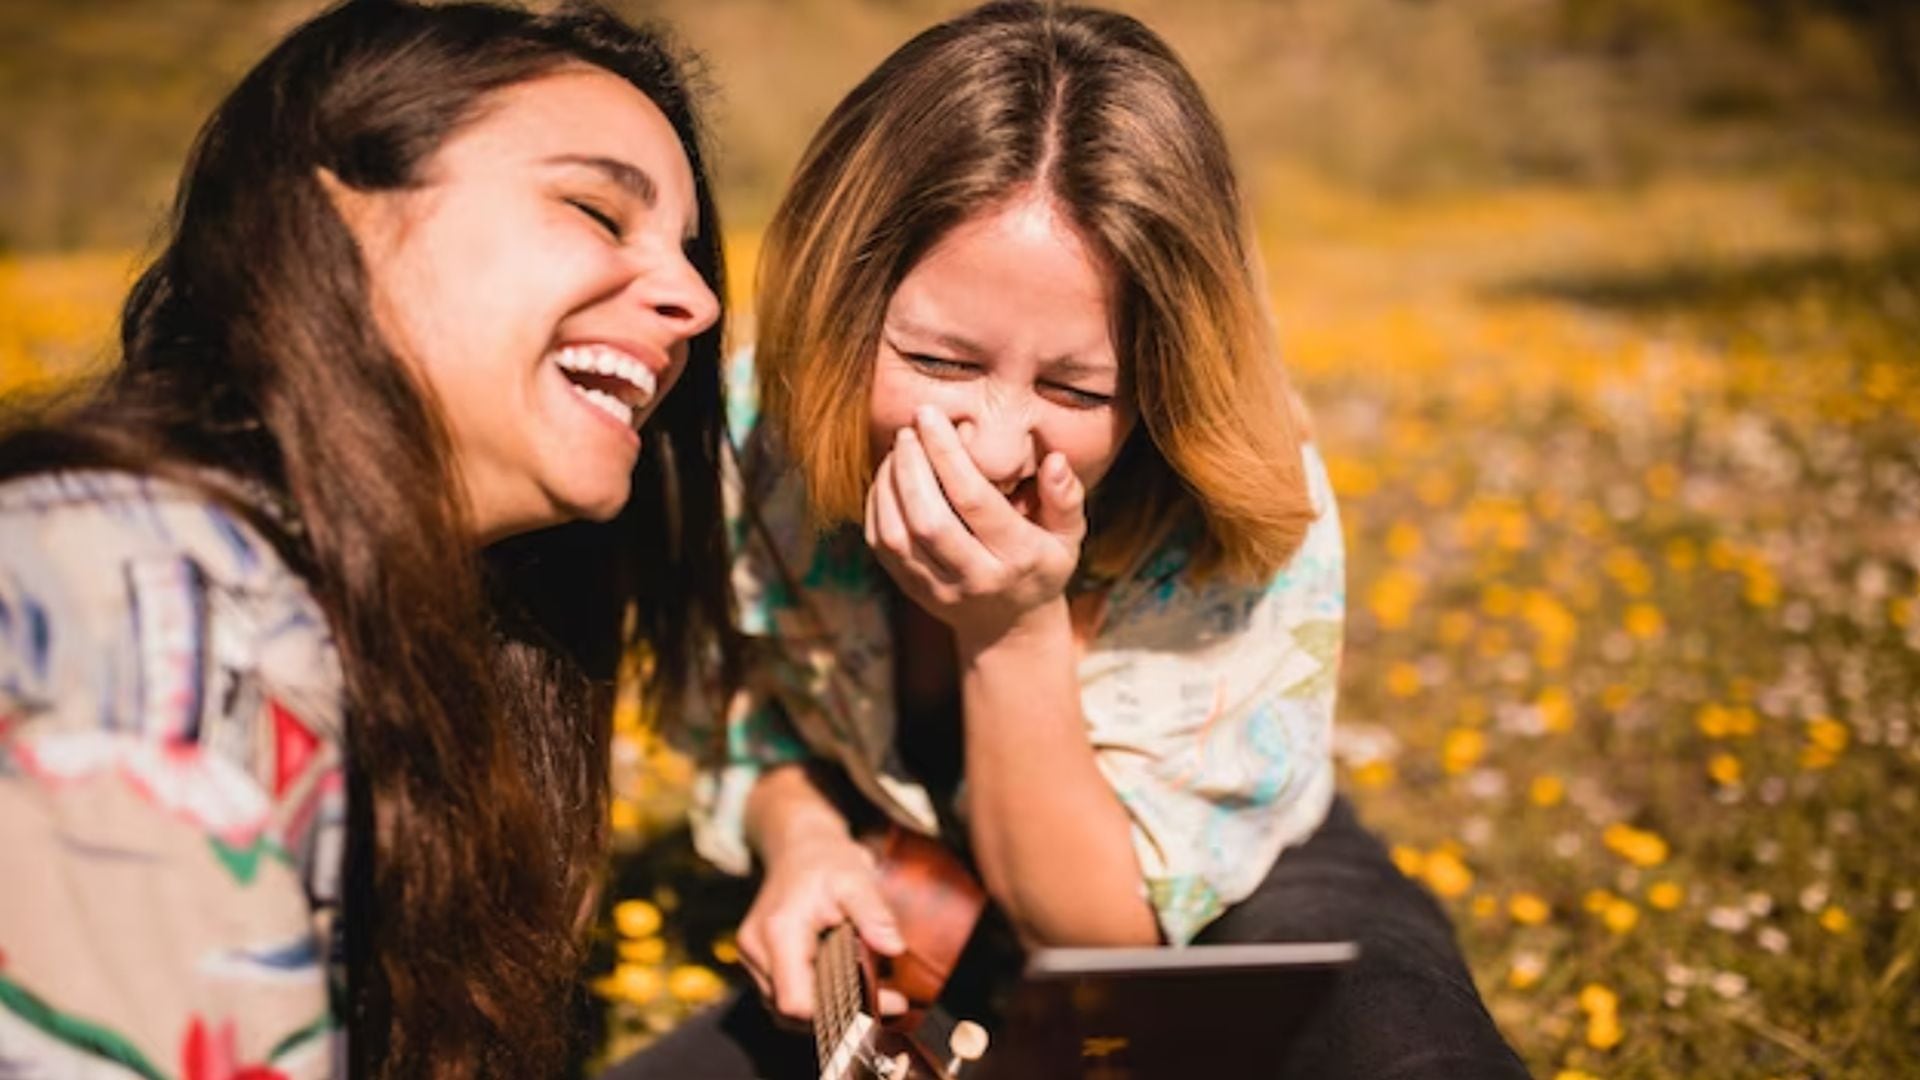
679 296
1001 443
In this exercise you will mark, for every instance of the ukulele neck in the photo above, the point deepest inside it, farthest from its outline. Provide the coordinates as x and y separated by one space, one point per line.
842 1026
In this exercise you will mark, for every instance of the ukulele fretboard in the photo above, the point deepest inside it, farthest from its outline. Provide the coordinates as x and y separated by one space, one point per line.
840 1022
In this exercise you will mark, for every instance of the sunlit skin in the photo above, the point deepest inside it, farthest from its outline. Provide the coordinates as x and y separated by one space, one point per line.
998 402
559 219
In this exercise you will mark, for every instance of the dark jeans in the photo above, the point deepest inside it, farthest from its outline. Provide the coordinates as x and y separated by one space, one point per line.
1406 1009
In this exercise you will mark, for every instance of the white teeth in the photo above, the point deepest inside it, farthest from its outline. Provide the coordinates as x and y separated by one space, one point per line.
607 403
606 360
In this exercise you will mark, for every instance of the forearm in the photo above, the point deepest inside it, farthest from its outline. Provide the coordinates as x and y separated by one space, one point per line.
786 810
1053 843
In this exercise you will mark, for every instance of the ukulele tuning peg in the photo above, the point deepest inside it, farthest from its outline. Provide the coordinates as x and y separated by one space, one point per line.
967 1044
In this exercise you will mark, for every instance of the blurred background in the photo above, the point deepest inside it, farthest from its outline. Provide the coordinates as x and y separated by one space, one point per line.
1609 314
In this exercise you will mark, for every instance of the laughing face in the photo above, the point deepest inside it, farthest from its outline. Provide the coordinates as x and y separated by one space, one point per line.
537 283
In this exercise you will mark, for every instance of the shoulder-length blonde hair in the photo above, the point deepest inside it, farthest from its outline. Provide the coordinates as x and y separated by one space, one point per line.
1094 109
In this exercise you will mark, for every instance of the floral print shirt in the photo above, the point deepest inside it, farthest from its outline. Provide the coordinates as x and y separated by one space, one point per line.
172 801
1209 704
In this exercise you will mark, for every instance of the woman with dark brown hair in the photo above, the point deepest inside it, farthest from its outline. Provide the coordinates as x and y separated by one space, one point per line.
1042 558
302 725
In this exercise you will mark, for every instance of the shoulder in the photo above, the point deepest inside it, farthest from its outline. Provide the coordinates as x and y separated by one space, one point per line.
130 603
103 517
1166 599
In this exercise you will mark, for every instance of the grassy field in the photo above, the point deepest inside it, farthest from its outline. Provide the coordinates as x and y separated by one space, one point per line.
1632 491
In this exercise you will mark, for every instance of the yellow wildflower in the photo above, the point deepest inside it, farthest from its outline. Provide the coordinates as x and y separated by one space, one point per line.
623 815
1411 861
726 949
1637 846
1546 791
636 918
1499 600
1900 611
1447 876
1596 900
636 984
1616 696
1625 567
1525 971
1603 1030
1762 588
1403 541
1682 554
1724 768
1665 895
694 985
1462 749
1828 734
1455 627
1574 1074
1835 920
1403 679
1528 909
1620 916
1393 597
1374 774
1597 998
1663 480
1644 621
1484 906
1556 710
650 950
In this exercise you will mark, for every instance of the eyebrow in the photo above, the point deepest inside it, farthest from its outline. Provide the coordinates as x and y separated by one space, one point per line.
632 178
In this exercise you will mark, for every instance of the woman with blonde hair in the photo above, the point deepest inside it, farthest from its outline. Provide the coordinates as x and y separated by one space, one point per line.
1038 556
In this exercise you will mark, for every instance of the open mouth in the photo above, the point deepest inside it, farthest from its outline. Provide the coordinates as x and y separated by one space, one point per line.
609 380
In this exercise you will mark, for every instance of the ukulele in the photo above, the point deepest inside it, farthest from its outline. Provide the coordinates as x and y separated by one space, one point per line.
936 902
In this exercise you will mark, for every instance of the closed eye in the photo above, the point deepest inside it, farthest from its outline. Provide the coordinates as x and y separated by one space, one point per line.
939 367
1074 397
600 217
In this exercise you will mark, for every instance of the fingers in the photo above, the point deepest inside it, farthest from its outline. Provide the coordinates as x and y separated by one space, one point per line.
1062 500
870 915
791 943
977 503
952 551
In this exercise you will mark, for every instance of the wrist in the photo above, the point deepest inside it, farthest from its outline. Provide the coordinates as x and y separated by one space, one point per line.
786 813
1046 625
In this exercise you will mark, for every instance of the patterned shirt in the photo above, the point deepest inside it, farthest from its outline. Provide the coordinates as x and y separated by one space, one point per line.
172 800
1209 704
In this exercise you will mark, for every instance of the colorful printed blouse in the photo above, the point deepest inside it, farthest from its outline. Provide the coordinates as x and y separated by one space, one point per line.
172 800
1209 704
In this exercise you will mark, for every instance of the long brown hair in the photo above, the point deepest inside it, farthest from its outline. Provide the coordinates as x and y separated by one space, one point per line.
477 725
1093 110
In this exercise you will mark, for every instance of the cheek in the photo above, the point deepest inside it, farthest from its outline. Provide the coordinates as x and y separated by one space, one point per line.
1092 444
896 394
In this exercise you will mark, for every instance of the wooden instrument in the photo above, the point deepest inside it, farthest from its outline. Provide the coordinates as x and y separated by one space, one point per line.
936 903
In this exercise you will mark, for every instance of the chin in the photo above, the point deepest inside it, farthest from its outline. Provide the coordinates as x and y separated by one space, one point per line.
601 503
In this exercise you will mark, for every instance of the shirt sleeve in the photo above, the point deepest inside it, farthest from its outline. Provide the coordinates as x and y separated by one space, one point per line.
737 740
151 924
1210 707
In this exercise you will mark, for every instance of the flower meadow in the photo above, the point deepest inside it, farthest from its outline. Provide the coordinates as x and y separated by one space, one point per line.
1631 488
